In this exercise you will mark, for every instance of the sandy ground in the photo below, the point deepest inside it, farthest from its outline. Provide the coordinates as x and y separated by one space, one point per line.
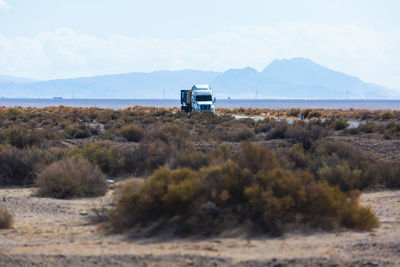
49 232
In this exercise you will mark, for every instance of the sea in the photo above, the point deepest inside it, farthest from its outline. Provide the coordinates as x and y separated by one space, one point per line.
220 103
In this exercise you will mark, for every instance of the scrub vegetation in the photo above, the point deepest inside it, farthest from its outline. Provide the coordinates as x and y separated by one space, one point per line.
203 173
6 218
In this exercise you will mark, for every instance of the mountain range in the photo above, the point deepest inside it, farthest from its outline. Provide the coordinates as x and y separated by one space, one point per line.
297 78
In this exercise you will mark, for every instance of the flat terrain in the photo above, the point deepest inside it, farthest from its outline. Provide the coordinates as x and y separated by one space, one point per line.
54 232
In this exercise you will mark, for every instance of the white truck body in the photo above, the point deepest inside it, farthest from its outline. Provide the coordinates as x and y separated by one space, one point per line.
199 98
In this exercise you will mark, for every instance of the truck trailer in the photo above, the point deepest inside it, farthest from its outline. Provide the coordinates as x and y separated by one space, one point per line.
199 98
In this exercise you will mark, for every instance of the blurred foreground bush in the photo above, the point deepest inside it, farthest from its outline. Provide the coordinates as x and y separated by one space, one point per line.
229 195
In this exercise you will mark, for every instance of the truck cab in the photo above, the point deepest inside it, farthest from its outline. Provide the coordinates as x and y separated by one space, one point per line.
202 98
199 98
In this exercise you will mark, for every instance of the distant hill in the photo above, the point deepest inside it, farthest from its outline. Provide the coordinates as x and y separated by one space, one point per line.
297 78
16 80
131 85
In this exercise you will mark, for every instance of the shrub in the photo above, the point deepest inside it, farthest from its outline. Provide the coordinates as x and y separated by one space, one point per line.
132 133
339 124
366 116
109 158
341 175
391 131
78 131
6 219
368 127
18 167
314 114
170 133
387 115
71 178
193 160
306 112
298 156
165 193
294 112
305 133
344 165
20 138
263 126
227 196
253 188
145 158
255 158
277 132
242 133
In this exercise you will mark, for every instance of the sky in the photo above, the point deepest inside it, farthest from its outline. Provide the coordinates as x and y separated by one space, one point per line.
49 39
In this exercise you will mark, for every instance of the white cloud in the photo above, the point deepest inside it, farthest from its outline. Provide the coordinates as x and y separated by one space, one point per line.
364 52
4 5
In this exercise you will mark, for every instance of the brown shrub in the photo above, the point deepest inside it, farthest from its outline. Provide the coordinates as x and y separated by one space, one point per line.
193 160
226 196
132 133
71 178
19 137
387 115
18 167
6 219
256 158
294 112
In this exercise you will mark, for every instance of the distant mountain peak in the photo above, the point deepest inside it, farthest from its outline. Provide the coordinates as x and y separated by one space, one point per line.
242 71
290 63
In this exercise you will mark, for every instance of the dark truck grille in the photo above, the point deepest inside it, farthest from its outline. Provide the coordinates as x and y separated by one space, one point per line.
205 107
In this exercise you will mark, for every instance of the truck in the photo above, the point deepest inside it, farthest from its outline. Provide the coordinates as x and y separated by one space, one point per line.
199 98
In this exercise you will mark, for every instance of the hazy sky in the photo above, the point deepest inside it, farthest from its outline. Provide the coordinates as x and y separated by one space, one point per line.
48 39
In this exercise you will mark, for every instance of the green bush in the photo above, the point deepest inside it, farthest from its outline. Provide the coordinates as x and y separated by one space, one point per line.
132 133
166 193
341 175
6 218
344 165
71 178
109 158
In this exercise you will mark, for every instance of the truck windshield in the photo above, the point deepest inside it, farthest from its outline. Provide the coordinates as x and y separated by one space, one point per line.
203 98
